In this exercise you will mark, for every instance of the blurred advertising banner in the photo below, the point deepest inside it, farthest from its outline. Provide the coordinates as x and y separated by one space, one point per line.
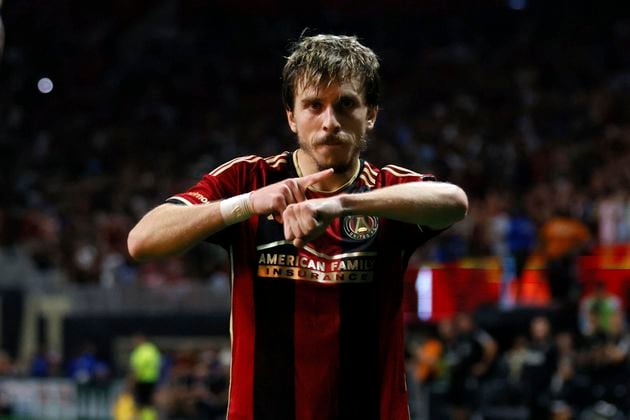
437 291
56 399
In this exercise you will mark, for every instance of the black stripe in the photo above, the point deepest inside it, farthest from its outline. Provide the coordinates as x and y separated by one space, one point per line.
274 371
359 382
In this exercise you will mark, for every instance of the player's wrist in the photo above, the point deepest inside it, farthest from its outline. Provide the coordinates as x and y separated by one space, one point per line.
236 209
346 204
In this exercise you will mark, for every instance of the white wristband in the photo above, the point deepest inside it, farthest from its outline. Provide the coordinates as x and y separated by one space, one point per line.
236 209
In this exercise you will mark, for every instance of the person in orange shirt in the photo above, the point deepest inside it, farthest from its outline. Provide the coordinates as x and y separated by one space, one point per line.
563 239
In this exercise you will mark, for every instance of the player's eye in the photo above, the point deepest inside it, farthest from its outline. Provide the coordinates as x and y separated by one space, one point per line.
316 106
347 103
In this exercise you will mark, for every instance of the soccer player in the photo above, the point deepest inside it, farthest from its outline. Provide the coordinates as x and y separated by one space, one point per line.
318 241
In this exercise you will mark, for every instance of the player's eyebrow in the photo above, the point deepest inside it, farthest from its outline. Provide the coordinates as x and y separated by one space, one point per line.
310 99
349 95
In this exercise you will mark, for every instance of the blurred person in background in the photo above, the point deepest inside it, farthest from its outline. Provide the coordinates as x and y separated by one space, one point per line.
319 240
540 364
468 359
521 241
605 356
563 238
511 366
605 305
210 386
144 364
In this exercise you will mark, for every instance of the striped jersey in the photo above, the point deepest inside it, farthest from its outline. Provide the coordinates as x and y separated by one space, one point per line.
317 332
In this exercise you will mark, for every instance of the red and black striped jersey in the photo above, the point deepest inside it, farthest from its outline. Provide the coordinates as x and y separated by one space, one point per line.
317 333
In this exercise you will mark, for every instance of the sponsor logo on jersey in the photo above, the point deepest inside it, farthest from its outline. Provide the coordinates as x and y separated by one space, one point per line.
199 197
358 269
360 228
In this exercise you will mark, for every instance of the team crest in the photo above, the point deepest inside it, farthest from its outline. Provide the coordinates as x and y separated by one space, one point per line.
360 228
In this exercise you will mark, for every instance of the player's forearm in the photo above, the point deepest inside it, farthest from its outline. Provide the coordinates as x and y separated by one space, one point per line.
170 229
433 204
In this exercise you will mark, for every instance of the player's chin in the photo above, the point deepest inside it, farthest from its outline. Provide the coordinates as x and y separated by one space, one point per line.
339 165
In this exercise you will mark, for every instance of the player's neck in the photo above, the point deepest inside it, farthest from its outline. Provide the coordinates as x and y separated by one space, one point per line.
338 181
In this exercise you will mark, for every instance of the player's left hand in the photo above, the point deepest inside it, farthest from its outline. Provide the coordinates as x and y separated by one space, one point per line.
305 221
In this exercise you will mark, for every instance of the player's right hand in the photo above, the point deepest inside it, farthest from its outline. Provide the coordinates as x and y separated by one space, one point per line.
274 198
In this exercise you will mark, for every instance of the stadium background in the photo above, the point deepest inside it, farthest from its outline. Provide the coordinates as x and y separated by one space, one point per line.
109 107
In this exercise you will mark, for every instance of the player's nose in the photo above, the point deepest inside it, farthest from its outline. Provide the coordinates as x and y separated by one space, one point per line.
330 121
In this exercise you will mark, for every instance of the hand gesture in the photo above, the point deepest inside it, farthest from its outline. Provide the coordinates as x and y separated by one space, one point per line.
274 199
306 220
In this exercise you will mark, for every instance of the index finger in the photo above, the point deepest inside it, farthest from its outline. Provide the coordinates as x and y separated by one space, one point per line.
308 180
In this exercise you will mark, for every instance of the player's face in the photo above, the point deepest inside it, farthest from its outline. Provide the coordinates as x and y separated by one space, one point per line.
331 123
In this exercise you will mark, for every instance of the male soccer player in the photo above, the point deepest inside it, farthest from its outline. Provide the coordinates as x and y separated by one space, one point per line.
318 240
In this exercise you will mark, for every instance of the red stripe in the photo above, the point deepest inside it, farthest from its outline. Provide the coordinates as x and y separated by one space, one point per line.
316 351
241 405
393 404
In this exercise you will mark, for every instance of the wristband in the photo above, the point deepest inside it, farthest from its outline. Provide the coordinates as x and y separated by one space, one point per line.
236 209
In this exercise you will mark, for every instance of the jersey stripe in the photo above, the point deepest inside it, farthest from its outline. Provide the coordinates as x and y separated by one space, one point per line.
272 159
369 176
278 163
231 258
274 370
371 169
359 385
274 314
317 352
399 171
243 341
227 165
359 381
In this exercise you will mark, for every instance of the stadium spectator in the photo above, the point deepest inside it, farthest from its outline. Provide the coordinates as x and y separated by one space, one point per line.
468 357
563 239
540 364
210 386
598 306
144 365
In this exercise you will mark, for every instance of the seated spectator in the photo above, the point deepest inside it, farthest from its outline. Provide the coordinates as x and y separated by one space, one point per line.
563 238
468 358
600 304
539 366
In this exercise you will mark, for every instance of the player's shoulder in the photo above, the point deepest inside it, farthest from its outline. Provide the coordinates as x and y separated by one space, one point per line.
251 162
278 161
391 173
401 172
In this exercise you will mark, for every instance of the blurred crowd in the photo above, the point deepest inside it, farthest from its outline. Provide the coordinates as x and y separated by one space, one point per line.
459 371
528 111
185 382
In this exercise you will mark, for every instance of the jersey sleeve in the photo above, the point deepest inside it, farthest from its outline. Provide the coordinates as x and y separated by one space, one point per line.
411 236
230 179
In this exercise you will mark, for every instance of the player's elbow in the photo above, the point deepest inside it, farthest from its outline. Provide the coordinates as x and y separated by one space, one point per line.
137 245
458 203
451 206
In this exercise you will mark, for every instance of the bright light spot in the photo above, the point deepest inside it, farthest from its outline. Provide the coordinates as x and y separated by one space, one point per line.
424 287
45 85
517 4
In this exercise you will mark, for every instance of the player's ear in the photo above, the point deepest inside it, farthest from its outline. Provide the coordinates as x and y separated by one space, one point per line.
291 120
371 116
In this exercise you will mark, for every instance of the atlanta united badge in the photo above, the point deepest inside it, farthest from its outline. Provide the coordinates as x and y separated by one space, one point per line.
360 228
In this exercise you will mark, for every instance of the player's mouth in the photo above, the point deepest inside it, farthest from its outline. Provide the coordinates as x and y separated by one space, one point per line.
332 141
